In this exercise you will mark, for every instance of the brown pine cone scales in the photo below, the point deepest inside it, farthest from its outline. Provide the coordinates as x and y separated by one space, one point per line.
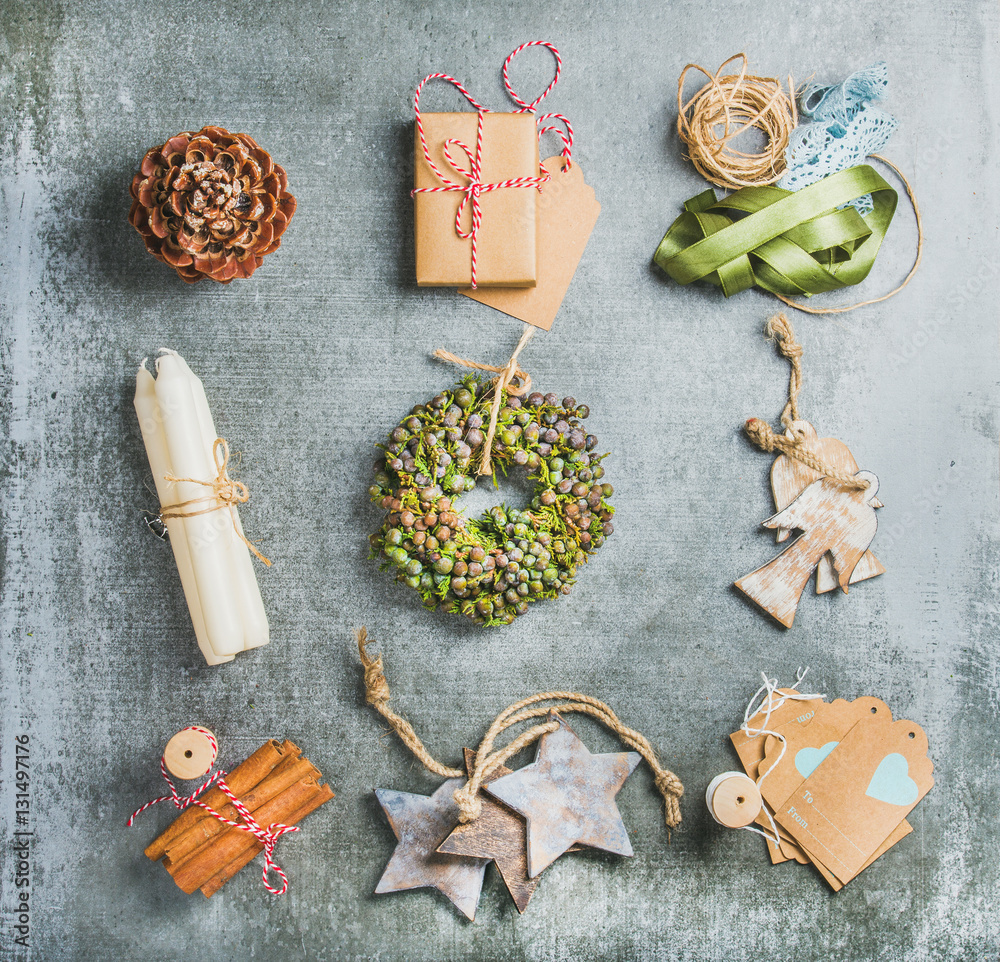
210 204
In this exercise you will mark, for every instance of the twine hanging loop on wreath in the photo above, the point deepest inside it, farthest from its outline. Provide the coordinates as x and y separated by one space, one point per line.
503 383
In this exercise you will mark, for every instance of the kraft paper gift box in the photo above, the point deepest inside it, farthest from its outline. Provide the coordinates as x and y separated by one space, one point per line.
506 242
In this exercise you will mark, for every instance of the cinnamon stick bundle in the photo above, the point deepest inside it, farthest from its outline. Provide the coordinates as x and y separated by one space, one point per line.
220 878
275 784
241 780
289 771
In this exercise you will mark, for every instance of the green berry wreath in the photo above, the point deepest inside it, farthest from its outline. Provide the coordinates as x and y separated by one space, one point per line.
492 567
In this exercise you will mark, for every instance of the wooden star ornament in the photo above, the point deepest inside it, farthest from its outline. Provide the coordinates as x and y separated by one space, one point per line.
567 795
498 834
421 823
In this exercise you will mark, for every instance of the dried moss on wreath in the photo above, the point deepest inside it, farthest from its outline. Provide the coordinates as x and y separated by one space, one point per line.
490 568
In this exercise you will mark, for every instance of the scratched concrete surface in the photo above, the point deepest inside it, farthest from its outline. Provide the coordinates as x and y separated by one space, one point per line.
313 360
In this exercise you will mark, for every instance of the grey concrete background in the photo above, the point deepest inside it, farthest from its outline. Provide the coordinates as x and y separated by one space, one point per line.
313 360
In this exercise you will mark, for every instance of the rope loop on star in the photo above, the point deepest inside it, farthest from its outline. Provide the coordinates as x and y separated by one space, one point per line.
489 758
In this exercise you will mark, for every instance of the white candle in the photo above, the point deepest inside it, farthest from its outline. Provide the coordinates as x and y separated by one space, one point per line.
151 425
224 599
255 627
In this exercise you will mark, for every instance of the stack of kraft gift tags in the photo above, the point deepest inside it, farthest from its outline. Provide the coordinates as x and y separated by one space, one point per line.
841 786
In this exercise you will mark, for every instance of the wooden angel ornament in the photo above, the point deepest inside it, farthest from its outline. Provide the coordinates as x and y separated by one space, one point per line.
819 491
790 477
835 520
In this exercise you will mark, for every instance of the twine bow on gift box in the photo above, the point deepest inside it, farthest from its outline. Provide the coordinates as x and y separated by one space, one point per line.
790 244
474 186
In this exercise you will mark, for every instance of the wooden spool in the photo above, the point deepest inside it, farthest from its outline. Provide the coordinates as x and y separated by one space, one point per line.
190 753
733 799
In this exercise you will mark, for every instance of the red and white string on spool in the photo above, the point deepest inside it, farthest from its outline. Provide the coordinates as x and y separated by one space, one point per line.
200 737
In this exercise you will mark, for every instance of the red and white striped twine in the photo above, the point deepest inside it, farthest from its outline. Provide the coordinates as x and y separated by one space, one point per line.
475 187
211 741
567 137
267 837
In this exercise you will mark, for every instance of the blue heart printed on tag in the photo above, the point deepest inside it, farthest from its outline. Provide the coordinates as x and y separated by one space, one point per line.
807 760
892 783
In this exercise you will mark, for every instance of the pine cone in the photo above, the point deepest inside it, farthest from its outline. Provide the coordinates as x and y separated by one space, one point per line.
210 204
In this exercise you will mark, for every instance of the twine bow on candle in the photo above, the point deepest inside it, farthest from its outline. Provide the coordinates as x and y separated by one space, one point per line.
226 493
475 187
504 382
266 837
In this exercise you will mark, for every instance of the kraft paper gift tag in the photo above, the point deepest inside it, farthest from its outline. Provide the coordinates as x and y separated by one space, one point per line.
831 722
859 793
837 719
806 746
566 212
899 832
751 750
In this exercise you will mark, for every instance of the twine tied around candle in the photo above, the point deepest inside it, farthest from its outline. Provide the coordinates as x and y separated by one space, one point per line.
226 493
488 759
504 382
266 837
779 329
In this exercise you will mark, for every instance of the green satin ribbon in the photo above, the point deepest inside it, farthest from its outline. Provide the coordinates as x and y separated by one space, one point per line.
786 242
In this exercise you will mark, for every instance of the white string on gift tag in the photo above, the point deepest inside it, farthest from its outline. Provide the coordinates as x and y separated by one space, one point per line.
767 699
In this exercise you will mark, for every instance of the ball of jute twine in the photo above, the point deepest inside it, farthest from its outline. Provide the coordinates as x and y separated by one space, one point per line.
727 106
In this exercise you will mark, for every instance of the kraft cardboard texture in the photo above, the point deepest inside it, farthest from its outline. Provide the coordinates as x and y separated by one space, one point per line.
567 211
858 796
506 244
